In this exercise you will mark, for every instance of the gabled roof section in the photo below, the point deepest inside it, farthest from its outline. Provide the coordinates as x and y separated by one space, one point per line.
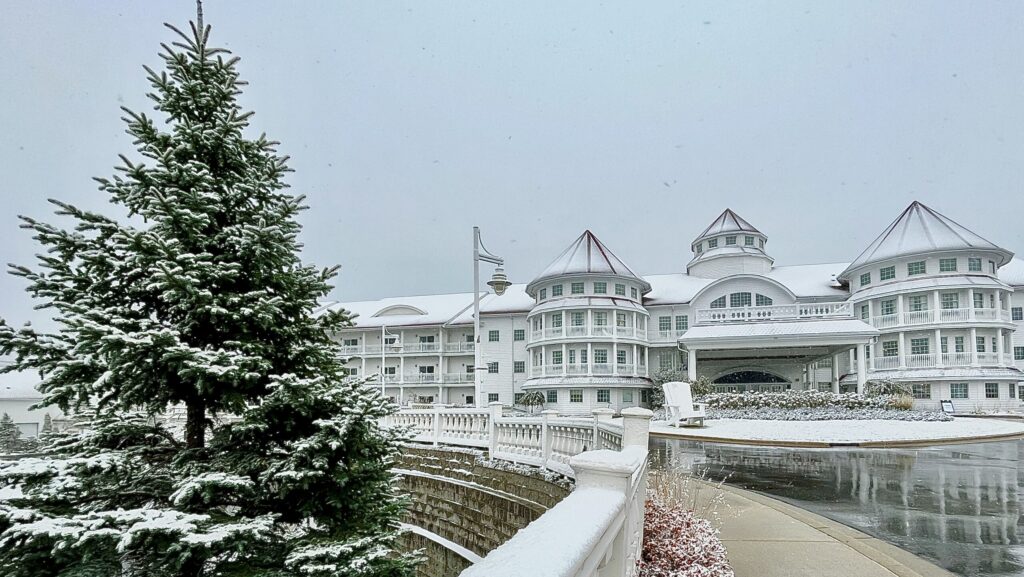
918 230
728 221
587 255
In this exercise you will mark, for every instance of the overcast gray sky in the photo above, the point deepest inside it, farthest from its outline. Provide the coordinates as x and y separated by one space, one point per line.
409 122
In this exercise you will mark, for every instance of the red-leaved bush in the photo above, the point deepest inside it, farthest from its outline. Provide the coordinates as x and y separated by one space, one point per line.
677 543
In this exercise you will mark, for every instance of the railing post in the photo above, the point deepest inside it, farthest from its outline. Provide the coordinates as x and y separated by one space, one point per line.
545 436
492 426
437 423
636 427
600 415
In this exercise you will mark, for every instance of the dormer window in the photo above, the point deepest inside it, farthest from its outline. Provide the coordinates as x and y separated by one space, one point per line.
556 290
700 249
748 241
739 300
730 240
974 264
713 243
543 294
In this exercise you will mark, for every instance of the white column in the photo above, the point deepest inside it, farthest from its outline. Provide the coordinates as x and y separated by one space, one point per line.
590 327
647 361
862 370
871 312
615 357
999 347
936 303
899 309
590 358
835 373
691 364
938 346
544 360
565 357
974 340
853 361
903 349
970 310
636 362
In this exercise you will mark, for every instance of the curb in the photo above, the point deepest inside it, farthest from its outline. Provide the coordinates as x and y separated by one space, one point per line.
898 443
900 562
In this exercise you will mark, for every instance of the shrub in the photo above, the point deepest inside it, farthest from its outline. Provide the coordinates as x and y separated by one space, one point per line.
702 386
886 387
531 400
799 400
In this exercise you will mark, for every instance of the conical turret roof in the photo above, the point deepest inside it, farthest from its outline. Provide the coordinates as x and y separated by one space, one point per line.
920 230
587 255
728 221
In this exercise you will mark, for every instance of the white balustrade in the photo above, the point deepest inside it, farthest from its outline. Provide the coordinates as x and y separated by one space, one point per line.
986 314
576 331
553 332
882 363
954 315
885 321
459 347
920 360
601 369
918 317
988 358
601 331
956 359
351 350
624 331
772 312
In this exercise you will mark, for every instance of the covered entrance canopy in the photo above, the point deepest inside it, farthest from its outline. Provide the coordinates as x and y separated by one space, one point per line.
804 341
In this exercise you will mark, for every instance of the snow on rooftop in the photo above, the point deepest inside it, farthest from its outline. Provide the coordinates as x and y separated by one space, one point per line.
778 329
728 221
585 255
455 308
918 230
811 280
1012 273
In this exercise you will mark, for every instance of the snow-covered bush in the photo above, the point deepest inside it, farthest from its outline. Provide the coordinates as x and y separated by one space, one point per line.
797 400
886 387
827 414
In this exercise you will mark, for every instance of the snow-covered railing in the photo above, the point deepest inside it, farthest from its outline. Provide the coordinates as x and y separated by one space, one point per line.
546 441
598 529
775 312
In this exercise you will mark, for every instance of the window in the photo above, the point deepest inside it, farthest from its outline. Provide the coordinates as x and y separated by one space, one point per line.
958 390
713 243
604 396
350 342
600 288
620 319
921 390
664 323
1012 390
632 292
627 396
600 356
576 288
556 290
918 303
492 367
620 289
887 273
572 356
576 318
979 301
427 339
700 248
888 307
543 294
575 395
492 397
390 370
980 342
556 321
352 371
552 396
991 390
763 301
493 336
1017 313
620 357
427 370
518 366
556 357
947 265
665 360
944 344
1018 353
890 348
645 395
974 264
519 335
916 267
730 240
958 344
390 340
718 303
865 279
739 300
762 243
992 266
600 318
865 311
583 357
919 346
748 241
950 300
682 322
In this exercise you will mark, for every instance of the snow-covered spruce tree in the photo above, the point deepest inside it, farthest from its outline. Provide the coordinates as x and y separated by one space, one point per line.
10 435
205 305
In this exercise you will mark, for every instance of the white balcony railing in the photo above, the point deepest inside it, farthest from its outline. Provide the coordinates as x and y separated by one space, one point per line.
885 321
918 317
882 363
601 331
601 369
624 331
421 348
459 347
775 312
553 332
988 358
920 360
956 359
577 331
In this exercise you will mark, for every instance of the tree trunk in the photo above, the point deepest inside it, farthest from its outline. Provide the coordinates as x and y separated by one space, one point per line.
195 424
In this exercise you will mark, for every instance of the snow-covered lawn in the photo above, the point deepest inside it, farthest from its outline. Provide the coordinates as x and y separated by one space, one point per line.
847 431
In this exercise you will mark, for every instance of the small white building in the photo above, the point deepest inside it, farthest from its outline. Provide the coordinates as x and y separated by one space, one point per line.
928 303
17 395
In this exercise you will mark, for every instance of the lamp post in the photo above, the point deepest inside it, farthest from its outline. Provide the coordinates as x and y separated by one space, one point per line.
499 282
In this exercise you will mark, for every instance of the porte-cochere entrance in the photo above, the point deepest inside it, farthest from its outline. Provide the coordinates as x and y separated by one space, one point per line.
750 381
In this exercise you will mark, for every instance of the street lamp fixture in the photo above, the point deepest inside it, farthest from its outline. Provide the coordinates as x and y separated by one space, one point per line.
499 283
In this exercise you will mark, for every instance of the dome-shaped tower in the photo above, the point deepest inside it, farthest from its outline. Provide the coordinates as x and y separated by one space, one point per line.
728 246
588 331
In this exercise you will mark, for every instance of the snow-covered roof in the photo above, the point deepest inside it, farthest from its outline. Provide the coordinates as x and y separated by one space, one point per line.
586 302
1012 273
586 255
959 281
20 385
805 281
919 230
947 374
779 331
728 221
454 308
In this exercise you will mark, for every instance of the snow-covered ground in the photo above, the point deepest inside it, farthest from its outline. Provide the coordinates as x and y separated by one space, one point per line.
840 432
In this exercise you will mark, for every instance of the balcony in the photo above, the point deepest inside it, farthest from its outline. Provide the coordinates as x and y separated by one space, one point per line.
957 315
584 369
930 360
920 360
421 348
776 312
459 347
424 379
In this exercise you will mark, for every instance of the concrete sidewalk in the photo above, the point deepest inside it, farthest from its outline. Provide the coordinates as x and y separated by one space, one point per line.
768 538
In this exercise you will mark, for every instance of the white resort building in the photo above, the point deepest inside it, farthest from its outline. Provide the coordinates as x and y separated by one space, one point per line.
928 303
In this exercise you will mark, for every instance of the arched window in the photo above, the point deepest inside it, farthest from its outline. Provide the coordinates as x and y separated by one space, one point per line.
718 303
763 301
739 300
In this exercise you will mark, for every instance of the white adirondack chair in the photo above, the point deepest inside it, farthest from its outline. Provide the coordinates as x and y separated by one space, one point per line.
679 405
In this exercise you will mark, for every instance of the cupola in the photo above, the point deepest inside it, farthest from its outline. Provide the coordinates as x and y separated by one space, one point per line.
729 245
587 256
